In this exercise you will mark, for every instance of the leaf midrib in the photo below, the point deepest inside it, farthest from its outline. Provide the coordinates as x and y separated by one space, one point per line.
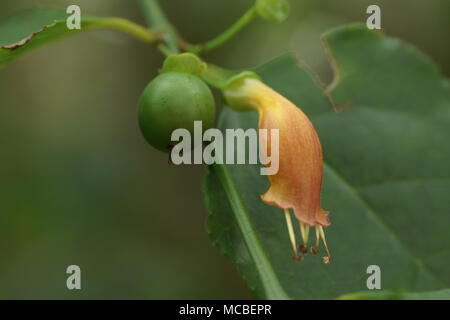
270 280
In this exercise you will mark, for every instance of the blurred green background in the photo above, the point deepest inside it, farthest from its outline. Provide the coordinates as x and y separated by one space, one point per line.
78 183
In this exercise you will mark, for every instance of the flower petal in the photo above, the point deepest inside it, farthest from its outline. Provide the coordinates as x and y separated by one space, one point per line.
298 182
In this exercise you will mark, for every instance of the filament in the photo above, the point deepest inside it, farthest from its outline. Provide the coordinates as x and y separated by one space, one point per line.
315 249
326 260
291 234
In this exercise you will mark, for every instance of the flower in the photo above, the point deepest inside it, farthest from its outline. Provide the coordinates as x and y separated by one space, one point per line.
298 182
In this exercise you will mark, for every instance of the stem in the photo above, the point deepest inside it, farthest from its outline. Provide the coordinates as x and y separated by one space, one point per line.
227 34
217 77
272 287
130 28
157 20
214 76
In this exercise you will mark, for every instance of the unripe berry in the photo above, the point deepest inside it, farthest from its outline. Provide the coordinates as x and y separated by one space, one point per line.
174 100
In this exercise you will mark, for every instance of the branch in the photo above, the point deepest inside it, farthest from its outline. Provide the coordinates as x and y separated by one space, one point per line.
157 20
227 34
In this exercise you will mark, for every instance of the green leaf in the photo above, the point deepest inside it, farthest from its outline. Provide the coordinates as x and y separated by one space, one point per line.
275 10
185 62
386 175
29 29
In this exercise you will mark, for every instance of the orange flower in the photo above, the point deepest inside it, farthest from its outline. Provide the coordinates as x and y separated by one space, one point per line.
298 182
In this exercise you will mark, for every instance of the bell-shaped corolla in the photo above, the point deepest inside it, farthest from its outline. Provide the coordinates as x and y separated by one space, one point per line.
298 182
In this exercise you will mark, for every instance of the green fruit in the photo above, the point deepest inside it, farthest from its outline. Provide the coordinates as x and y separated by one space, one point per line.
174 100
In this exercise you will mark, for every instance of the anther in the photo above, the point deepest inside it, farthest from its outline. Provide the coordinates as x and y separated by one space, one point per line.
304 231
303 249
297 257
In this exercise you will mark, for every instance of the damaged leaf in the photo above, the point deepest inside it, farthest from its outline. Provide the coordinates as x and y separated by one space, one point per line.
29 29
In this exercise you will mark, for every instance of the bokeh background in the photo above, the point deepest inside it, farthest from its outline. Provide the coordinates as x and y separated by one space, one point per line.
78 183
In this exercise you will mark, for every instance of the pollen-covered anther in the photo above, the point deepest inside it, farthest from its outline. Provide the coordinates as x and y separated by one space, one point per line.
304 231
297 257
303 249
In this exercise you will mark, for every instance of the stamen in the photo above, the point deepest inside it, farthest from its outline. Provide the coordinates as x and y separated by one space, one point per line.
296 256
315 249
326 260
304 231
